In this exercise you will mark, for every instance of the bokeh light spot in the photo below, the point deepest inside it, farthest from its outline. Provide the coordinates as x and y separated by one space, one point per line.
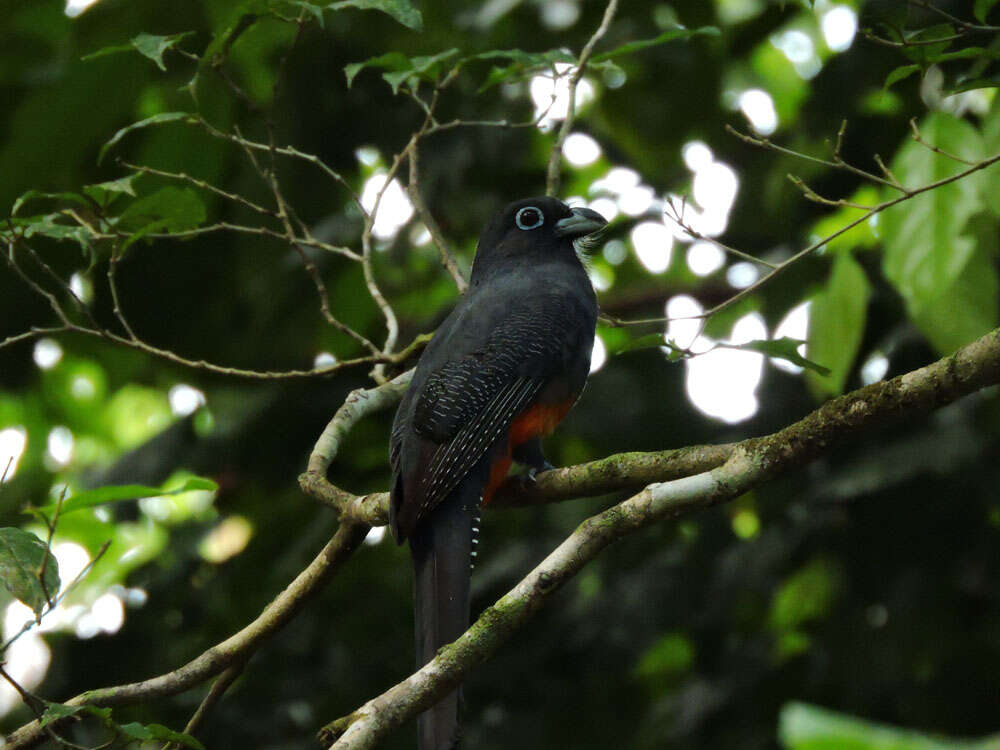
758 106
47 353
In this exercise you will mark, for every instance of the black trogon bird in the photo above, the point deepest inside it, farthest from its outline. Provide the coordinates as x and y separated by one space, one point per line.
501 371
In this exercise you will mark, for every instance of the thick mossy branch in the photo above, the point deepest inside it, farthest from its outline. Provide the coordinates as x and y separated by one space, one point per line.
747 465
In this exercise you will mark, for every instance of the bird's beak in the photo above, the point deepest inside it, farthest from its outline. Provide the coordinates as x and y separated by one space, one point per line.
584 221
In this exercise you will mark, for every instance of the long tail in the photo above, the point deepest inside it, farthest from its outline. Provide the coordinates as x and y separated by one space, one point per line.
441 547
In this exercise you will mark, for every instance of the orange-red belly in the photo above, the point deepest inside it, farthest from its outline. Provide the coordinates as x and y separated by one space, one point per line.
538 420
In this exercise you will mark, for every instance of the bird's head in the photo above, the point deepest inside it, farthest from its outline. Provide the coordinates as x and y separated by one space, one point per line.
535 230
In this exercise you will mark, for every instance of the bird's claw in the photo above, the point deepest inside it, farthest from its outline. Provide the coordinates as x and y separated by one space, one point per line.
530 476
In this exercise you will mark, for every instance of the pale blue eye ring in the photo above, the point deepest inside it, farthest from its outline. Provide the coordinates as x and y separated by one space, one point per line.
529 217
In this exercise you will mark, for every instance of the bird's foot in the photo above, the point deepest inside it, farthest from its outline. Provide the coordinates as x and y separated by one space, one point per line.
529 478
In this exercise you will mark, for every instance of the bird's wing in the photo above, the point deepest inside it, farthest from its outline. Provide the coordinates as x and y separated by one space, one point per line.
467 403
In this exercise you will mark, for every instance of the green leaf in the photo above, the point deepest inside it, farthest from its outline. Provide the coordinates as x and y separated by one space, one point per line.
148 45
898 74
805 595
50 225
991 146
22 555
171 208
925 250
402 67
982 8
105 192
521 63
119 493
805 727
315 10
968 308
784 348
836 324
861 236
678 32
670 656
972 84
39 195
153 46
924 53
154 120
647 341
137 731
401 10
58 711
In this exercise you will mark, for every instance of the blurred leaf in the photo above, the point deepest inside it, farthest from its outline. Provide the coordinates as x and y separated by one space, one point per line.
968 308
679 32
982 9
991 146
21 557
805 595
924 53
148 45
52 226
673 654
522 63
650 341
118 493
172 209
312 8
154 120
973 84
105 192
784 348
837 323
137 731
899 74
58 711
805 727
402 67
401 10
860 236
924 248
41 195
966 53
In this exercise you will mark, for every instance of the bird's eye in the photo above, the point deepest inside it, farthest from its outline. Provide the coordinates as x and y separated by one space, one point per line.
529 218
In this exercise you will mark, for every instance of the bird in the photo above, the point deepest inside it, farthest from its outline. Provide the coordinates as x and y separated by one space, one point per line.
500 372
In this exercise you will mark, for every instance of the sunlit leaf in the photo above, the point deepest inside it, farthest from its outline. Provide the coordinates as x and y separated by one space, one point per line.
678 32
401 10
860 236
925 245
968 308
119 493
154 120
22 555
805 727
149 45
836 324
784 348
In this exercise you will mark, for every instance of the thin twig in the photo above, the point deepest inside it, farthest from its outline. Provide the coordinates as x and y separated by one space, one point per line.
447 256
555 156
